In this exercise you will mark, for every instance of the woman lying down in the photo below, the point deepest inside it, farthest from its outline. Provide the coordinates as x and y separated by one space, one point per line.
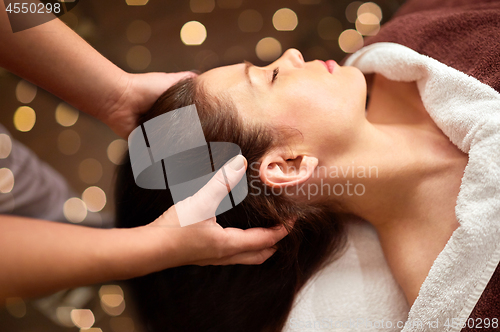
317 153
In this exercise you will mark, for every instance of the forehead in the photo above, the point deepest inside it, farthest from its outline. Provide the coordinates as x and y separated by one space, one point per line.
227 79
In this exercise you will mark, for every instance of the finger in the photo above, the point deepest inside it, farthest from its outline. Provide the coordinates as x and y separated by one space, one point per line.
247 258
252 239
208 198
182 75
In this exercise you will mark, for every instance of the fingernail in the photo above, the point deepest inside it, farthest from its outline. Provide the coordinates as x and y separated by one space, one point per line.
237 162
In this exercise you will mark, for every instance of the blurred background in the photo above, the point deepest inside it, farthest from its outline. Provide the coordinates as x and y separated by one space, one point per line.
142 36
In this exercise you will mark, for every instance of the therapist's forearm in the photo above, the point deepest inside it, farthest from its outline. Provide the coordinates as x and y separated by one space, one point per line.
55 58
38 257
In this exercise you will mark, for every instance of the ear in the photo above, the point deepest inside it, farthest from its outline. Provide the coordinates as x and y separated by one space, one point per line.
279 170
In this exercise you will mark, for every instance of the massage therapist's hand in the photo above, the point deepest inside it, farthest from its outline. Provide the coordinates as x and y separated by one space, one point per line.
206 242
137 93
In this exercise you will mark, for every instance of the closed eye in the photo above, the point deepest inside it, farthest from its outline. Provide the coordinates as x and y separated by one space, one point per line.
275 74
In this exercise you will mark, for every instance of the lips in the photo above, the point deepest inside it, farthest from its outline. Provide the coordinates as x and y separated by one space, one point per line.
330 65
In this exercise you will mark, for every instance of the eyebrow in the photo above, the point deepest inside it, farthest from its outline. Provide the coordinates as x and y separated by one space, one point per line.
248 64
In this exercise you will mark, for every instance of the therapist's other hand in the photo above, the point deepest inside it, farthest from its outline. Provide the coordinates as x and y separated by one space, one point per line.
136 93
206 242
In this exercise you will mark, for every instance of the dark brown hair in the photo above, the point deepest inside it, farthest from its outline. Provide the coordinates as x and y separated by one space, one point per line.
236 297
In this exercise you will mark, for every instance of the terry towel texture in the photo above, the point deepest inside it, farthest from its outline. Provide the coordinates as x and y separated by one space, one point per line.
468 112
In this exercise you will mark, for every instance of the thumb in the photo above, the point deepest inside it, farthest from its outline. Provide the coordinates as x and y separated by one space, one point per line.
202 205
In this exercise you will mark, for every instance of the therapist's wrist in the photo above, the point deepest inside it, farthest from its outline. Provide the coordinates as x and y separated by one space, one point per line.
133 252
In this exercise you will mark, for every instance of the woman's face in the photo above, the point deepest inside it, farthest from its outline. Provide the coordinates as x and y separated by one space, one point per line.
326 106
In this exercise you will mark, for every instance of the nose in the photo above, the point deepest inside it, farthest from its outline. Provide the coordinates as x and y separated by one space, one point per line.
294 56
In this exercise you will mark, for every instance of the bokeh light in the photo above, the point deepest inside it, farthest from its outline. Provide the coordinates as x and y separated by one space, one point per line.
66 115
63 316
285 19
90 171
229 4
94 198
350 41
329 28
136 2
371 8
25 92
268 49
5 146
112 299
75 211
138 57
68 142
351 11
368 24
193 33
138 32
121 324
24 118
250 20
116 151
15 306
82 318
202 6
6 180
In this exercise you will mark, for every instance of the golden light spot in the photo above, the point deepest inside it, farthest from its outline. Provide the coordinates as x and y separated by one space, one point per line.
136 2
250 20
229 4
66 115
68 142
92 329
5 146
121 324
110 289
75 211
6 180
138 32
202 6
116 151
112 299
63 315
268 49
15 306
94 198
90 171
309 2
368 24
372 8
285 19
350 41
82 318
351 11
25 92
235 54
24 118
329 28
113 311
193 33
138 57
